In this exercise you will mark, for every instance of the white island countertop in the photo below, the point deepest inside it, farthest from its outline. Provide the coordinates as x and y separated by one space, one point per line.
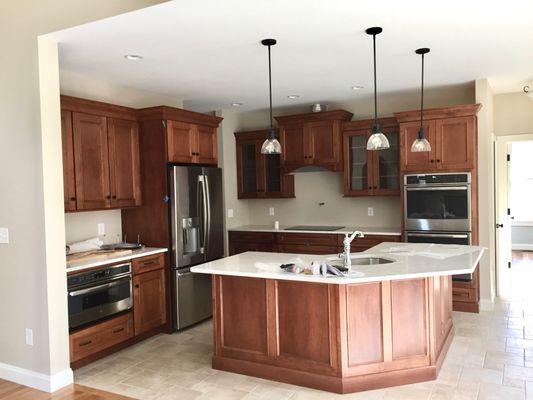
410 260
341 231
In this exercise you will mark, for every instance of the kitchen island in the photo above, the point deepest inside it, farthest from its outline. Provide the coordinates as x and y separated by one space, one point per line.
381 325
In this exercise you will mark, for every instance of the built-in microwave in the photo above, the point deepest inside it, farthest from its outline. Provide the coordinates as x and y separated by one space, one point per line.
437 202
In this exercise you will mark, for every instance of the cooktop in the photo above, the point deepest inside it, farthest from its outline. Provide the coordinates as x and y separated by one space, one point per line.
313 228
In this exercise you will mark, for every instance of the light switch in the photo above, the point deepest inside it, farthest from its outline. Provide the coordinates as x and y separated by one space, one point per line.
4 235
271 211
230 212
29 337
101 229
370 211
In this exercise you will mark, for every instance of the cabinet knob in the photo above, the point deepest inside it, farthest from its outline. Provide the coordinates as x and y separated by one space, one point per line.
438 160
108 197
375 187
72 199
432 161
137 286
114 197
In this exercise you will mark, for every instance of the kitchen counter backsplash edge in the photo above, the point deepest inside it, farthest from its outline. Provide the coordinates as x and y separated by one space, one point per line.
349 229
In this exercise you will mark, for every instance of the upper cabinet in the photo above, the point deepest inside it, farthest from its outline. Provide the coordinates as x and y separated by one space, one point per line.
100 155
191 137
312 139
259 175
452 133
370 173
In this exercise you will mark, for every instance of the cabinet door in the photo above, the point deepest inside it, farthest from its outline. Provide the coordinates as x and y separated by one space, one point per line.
386 168
273 174
181 138
248 174
358 179
324 144
124 167
91 161
417 162
294 149
69 182
149 301
206 145
456 143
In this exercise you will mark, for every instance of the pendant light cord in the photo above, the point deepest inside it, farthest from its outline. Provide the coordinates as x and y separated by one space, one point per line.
375 86
422 98
270 90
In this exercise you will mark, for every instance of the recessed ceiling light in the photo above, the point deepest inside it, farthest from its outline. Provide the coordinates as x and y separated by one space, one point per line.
293 96
357 87
133 57
236 104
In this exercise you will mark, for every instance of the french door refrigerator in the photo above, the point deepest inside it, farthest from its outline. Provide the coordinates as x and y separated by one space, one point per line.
196 217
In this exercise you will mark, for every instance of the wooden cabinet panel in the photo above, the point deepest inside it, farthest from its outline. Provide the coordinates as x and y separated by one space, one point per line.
149 296
206 145
417 162
242 247
306 249
308 238
408 309
442 309
147 264
456 143
297 149
124 164
93 339
69 182
324 145
243 316
364 323
181 137
303 309
91 157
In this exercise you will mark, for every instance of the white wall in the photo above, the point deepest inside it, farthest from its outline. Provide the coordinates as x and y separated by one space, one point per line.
32 265
314 187
513 114
84 225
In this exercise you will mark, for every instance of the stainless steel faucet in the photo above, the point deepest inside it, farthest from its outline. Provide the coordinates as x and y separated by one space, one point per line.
348 239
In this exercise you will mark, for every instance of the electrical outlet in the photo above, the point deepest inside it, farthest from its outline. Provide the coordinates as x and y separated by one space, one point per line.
230 212
370 211
271 211
4 235
101 229
29 337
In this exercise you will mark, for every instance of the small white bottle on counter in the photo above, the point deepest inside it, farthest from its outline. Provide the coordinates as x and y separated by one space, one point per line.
276 225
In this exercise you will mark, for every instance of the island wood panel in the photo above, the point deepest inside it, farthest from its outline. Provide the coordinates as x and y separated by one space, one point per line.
442 309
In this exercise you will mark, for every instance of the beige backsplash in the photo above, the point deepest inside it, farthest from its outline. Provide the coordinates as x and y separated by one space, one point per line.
84 225
326 187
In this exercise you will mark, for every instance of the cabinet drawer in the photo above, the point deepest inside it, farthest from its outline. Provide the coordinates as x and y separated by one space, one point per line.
146 264
242 247
460 294
101 336
307 249
308 238
242 236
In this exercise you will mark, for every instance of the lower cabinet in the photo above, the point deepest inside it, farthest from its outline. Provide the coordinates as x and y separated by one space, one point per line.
149 301
466 294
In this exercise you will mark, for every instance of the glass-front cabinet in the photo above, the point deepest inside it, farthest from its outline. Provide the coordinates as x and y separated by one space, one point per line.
370 173
259 175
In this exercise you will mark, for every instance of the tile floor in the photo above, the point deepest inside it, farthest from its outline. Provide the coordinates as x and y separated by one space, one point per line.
491 357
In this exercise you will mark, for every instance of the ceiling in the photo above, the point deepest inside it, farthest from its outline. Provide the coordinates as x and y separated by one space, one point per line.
207 52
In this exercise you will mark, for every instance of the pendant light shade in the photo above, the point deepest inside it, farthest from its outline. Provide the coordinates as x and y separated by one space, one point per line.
271 145
421 144
378 140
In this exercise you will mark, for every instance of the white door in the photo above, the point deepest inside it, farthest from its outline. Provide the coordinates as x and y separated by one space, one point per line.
503 220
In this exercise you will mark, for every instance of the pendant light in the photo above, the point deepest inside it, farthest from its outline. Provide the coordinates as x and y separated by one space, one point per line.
376 141
271 145
421 144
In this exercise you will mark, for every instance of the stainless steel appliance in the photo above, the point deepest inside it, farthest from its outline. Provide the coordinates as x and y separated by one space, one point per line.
437 202
197 236
98 294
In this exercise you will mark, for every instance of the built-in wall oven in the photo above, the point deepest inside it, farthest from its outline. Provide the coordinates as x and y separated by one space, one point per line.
98 294
437 209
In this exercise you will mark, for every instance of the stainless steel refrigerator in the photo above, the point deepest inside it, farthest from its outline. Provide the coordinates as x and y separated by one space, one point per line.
197 236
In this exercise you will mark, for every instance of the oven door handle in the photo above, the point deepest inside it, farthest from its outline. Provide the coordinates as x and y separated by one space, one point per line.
97 288
439 188
443 235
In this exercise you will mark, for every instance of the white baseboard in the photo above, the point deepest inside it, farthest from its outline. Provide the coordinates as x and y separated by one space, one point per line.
36 380
486 305
522 246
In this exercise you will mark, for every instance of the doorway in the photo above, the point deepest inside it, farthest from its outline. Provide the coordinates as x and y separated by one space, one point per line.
514 215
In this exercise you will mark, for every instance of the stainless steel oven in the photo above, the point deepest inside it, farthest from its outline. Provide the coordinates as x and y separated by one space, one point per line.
442 238
437 202
98 294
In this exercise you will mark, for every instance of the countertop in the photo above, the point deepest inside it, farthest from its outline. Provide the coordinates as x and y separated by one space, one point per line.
146 251
342 231
410 260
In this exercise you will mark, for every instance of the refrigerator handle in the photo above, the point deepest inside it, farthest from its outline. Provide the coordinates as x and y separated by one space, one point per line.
201 185
208 213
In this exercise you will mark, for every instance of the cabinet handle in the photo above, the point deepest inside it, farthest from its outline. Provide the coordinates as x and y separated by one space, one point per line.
114 197
438 161
370 187
151 262
86 343
432 161
108 197
118 330
137 286
375 187
72 199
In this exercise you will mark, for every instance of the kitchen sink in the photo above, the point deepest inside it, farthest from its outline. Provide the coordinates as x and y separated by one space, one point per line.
365 261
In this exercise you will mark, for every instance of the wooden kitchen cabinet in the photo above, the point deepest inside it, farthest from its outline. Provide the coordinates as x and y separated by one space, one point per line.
101 166
149 300
312 139
370 173
191 144
259 175
452 134
240 242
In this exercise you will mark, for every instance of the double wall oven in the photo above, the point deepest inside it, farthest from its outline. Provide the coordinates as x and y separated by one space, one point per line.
437 209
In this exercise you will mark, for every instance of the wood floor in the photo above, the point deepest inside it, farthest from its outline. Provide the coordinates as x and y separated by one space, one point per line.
13 391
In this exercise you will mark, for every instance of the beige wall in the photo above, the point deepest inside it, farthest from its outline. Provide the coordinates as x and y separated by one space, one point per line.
314 187
84 225
485 96
32 273
513 114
